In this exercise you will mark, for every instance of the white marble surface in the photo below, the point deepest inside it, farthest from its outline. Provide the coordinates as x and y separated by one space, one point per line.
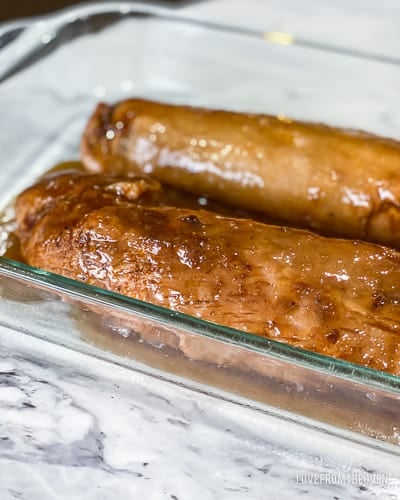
72 427
368 26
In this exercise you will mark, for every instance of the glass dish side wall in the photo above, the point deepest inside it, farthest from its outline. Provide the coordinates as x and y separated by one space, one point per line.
164 344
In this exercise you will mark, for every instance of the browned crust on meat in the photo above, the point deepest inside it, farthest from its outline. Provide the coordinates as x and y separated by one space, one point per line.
331 180
336 297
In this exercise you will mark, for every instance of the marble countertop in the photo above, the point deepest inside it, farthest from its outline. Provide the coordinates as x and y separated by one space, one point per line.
75 427
365 26
72 426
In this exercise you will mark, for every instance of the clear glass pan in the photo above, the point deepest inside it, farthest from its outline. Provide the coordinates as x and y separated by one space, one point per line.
54 70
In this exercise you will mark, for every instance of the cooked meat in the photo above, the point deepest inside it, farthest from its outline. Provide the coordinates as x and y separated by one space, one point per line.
336 297
333 181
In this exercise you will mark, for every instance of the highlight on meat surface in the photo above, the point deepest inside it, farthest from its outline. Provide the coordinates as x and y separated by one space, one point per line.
336 297
331 180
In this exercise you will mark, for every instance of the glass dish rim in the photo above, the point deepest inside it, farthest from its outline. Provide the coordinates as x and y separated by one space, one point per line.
48 23
268 347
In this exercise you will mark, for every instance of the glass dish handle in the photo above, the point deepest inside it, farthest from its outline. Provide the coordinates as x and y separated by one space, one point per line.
21 39
15 43
10 31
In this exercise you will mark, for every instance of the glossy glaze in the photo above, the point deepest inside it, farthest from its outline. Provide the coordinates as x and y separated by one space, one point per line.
337 297
331 180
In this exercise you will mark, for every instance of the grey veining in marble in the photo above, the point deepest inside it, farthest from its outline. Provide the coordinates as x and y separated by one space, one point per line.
74 427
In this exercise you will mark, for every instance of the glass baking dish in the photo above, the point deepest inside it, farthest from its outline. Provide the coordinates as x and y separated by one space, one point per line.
55 69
